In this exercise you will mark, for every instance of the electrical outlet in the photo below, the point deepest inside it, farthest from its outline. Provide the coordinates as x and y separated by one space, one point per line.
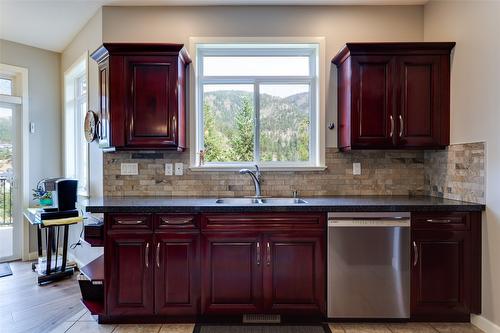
169 169
179 169
129 169
356 169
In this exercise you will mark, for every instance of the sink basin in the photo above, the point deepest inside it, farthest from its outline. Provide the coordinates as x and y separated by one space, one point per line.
260 201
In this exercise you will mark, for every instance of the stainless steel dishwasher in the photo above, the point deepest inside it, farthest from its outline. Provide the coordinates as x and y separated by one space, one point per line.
368 265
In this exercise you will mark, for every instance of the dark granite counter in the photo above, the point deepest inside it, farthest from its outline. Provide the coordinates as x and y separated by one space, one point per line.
313 204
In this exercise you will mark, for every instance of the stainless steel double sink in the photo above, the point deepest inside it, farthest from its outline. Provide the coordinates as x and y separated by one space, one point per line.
260 201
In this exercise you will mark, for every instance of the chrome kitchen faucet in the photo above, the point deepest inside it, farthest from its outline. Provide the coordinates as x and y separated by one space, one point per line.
256 179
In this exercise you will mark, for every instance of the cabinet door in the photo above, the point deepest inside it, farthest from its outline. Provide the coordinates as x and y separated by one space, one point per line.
294 273
440 275
151 117
129 273
176 273
423 101
231 273
104 117
372 101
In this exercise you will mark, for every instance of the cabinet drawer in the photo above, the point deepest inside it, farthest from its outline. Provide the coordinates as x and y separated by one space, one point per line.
441 220
129 221
263 221
176 221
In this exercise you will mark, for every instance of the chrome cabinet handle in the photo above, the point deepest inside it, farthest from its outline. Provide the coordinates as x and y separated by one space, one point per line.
400 126
177 220
258 253
129 222
392 126
268 259
438 221
158 255
147 255
415 254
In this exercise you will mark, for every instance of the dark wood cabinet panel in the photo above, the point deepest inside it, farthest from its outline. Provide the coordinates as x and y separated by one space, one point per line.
129 274
294 273
231 273
104 118
130 221
145 95
177 274
420 110
394 95
372 95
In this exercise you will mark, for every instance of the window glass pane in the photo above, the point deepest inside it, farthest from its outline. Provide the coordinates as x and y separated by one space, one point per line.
5 87
228 121
284 122
256 66
5 140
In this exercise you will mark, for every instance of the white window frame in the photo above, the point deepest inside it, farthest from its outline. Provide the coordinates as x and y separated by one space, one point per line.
77 71
310 47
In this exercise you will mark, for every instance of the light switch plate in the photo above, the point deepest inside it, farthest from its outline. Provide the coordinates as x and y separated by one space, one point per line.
32 127
129 169
169 169
179 169
356 169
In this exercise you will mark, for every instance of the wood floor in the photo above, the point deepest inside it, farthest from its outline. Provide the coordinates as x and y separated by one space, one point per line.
56 308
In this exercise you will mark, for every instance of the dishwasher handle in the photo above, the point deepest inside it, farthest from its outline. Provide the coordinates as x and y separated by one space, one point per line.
369 222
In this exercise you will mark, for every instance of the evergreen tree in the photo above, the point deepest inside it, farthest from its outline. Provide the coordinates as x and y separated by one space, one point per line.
212 137
242 140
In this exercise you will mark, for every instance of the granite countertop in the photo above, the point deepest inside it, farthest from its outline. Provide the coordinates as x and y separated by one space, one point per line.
313 204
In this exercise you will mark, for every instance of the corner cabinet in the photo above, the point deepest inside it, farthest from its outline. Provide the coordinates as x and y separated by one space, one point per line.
394 95
142 91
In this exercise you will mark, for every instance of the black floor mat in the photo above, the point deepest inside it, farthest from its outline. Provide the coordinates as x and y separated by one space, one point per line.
211 328
5 270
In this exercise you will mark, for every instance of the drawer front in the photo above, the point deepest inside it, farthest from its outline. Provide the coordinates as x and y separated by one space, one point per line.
263 221
130 222
441 220
176 221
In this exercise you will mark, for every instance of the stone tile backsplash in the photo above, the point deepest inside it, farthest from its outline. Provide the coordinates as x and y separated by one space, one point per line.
457 173
383 173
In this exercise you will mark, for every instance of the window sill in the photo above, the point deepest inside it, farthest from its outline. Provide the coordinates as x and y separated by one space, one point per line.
233 168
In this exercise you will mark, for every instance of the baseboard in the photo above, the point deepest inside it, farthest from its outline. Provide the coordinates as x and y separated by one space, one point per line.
484 324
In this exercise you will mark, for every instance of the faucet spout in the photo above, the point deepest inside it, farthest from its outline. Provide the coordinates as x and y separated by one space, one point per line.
255 175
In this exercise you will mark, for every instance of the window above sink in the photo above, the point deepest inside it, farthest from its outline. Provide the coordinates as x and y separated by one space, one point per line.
258 102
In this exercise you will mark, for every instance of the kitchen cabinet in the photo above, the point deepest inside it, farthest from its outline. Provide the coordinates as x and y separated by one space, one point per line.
393 95
445 275
232 273
176 278
263 263
143 95
129 274
152 271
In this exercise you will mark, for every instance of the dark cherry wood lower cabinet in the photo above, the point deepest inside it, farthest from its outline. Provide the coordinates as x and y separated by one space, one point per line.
232 273
294 273
268 267
176 278
446 269
129 274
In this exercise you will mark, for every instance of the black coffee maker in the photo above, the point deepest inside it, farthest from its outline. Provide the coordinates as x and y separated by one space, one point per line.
64 193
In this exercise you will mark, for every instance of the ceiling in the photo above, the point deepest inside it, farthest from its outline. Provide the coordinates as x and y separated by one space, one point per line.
52 24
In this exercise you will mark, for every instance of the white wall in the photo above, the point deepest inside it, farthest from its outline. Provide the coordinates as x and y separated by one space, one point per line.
87 40
338 24
44 110
475 110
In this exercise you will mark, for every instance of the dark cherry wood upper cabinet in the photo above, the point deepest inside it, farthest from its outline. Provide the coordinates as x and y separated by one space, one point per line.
129 273
143 95
394 95
446 268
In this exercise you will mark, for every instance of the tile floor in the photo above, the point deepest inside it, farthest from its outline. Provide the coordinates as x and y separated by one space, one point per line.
83 322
